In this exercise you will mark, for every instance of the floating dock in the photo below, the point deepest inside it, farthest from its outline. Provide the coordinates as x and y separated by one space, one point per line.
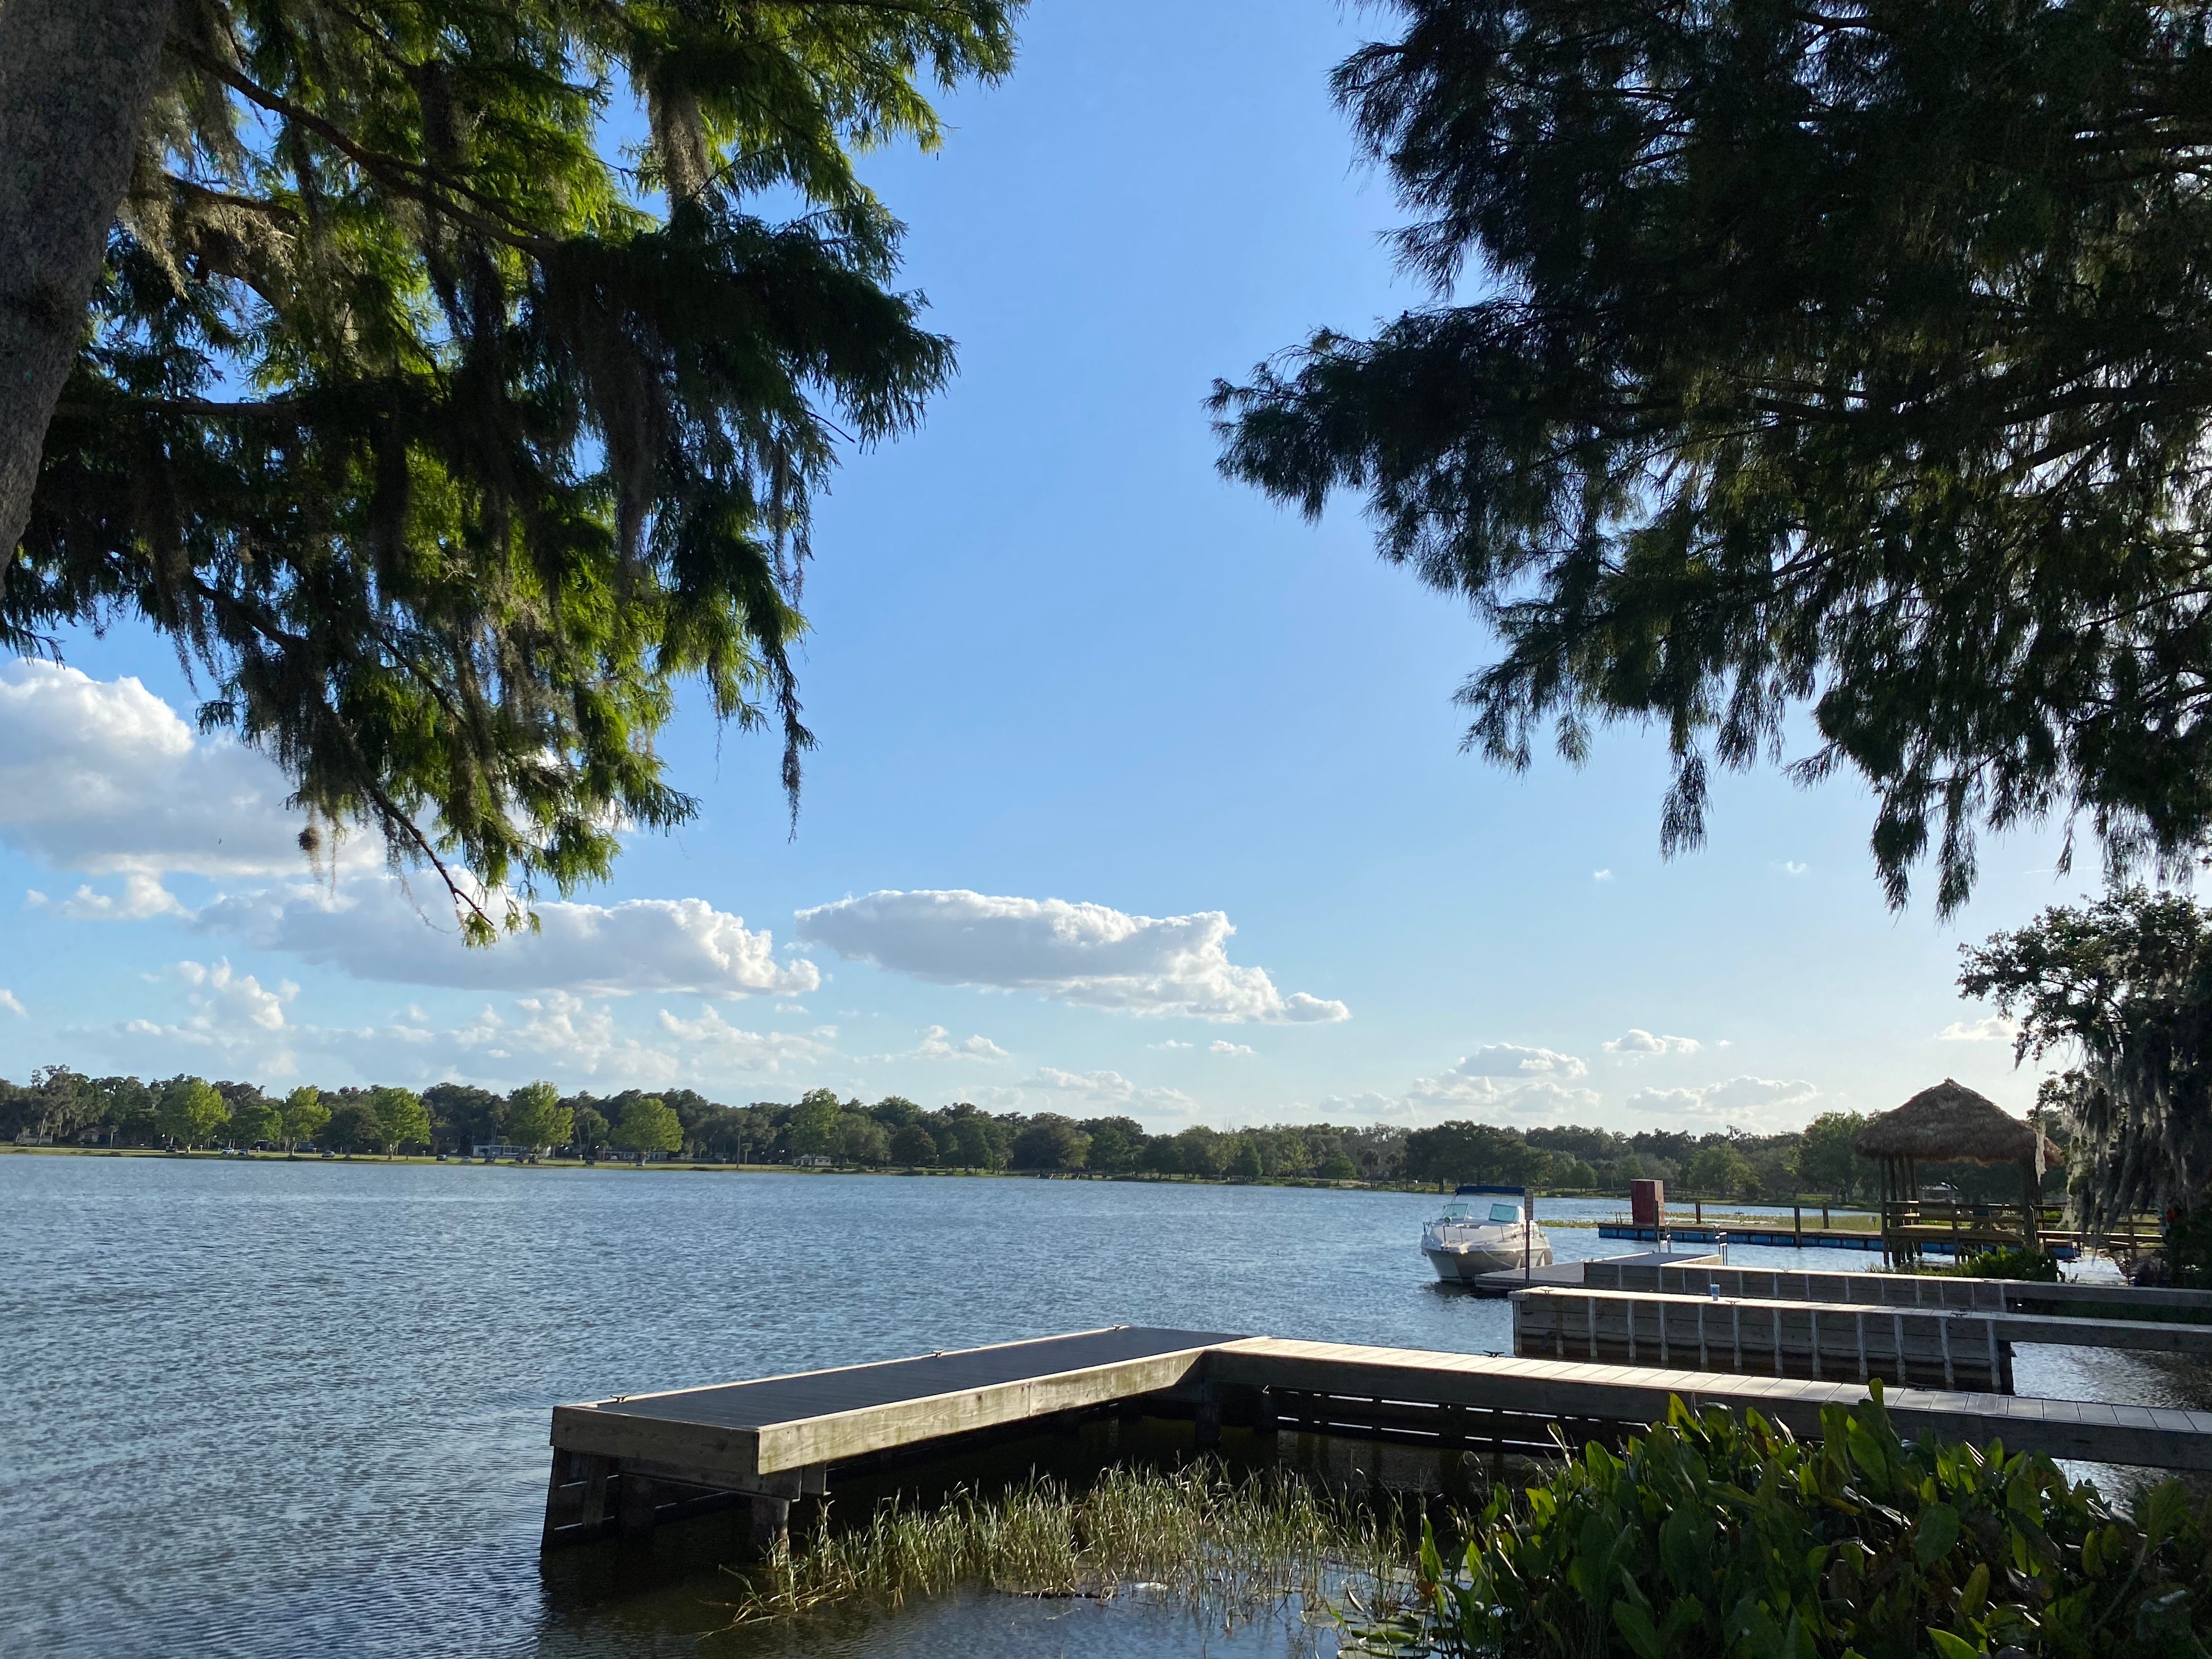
624 1465
1899 1343
1507 1280
1702 1275
1806 1238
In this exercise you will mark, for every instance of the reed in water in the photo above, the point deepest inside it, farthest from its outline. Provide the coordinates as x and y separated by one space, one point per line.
1244 1546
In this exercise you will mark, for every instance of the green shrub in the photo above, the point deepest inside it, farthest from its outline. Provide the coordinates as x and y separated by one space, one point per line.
2012 1262
1723 1535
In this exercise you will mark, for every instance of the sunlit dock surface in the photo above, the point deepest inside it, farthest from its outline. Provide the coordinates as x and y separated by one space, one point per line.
625 1464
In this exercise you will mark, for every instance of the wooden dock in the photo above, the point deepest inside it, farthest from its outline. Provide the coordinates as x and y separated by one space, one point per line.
626 1464
1934 1242
1895 1290
623 1464
1816 1338
1507 1280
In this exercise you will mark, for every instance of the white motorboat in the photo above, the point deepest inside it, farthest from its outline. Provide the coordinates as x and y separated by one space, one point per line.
1485 1229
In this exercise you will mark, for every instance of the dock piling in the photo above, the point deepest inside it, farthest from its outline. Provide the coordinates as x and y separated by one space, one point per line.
1206 1422
637 1506
768 1524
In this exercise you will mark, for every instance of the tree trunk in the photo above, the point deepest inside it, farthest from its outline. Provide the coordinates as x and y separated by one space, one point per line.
75 76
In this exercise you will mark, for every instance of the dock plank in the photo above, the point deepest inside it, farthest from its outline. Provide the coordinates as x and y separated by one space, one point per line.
763 1436
814 1417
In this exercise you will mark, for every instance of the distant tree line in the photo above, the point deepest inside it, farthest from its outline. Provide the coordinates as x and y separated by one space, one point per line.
1717 1164
65 1106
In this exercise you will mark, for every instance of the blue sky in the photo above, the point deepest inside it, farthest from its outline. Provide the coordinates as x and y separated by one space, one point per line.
1061 665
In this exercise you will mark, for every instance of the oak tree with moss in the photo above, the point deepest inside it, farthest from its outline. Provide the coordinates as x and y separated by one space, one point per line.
438 377
1834 368
2119 993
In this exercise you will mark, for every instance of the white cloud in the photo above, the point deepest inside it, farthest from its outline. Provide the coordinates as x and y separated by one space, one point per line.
1739 1100
937 1043
142 896
1100 1085
1455 1094
1502 1082
102 776
1079 953
239 996
562 1032
12 1004
1171 1044
232 1013
1993 1028
735 1050
1512 1060
1107 1088
1790 867
370 930
252 1028
1600 875
1221 1046
1637 1041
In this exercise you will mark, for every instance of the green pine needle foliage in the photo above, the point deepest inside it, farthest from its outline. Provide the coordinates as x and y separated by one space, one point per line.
447 435
1840 356
1720 1534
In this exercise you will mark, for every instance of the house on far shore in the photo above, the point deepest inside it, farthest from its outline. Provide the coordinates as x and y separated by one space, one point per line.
812 1161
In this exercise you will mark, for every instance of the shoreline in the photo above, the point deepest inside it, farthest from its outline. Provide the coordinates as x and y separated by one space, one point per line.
1843 1212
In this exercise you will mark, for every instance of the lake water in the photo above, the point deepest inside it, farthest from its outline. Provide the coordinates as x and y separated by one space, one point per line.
268 1408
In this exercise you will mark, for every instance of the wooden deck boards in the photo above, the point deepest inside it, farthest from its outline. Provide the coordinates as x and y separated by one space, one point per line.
2051 1329
814 1417
1894 1289
775 1438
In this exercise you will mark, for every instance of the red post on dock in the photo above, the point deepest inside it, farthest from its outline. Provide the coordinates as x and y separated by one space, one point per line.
1647 1203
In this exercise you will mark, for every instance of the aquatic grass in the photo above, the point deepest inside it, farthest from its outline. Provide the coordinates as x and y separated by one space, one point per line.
1244 1548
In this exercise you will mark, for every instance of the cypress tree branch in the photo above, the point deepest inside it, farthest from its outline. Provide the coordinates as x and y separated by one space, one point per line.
447 460
425 184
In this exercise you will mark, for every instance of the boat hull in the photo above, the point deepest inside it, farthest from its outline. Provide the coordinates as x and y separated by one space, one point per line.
1462 1266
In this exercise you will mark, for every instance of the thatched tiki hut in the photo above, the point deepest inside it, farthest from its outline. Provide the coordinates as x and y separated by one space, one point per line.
1952 1124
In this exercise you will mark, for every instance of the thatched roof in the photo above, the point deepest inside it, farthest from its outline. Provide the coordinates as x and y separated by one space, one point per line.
1952 1124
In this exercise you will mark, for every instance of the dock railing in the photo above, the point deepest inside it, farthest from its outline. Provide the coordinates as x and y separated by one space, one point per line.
1964 1226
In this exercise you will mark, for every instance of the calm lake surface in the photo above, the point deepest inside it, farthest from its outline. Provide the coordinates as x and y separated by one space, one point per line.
268 1408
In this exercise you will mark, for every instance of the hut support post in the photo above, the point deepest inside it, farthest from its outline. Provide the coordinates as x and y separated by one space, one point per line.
1950 1124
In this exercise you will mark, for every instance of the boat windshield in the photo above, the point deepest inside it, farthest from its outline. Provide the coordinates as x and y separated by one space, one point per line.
1469 1215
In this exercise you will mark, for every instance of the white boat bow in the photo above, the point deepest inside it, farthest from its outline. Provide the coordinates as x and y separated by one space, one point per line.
1471 1239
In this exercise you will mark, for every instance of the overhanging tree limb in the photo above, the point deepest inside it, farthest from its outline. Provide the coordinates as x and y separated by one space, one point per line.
444 455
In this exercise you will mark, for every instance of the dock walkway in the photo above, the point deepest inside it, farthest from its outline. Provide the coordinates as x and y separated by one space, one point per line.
626 1463
1899 1343
1699 1277
623 1463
